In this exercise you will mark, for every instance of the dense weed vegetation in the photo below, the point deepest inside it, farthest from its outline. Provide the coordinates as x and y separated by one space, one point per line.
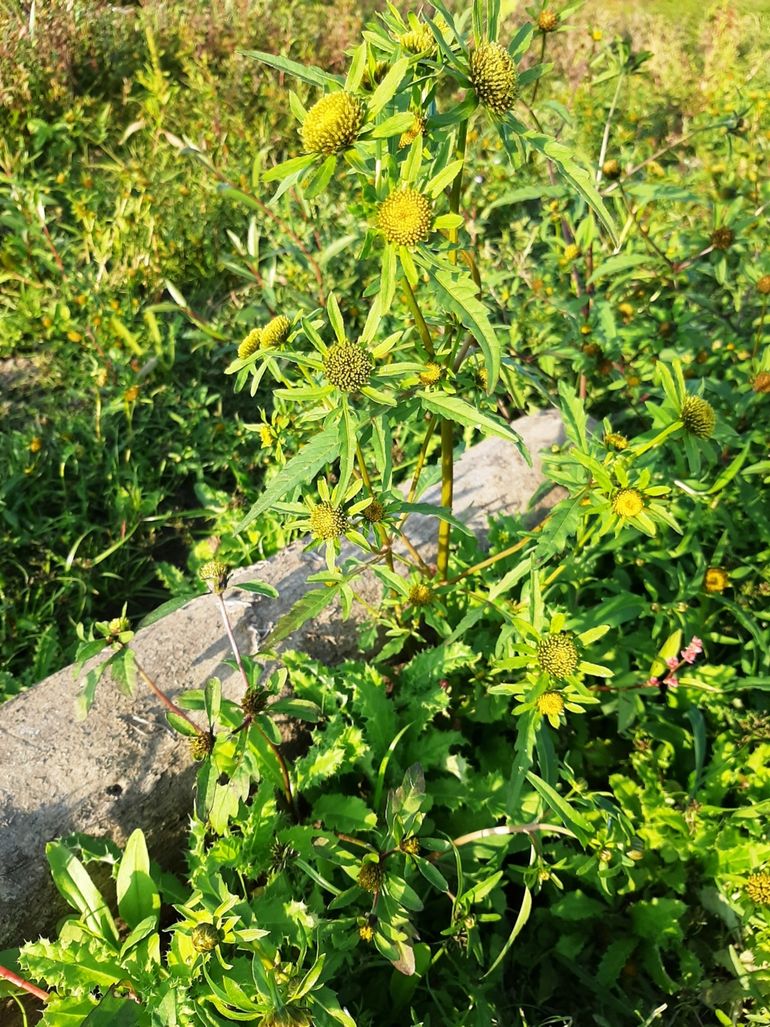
540 797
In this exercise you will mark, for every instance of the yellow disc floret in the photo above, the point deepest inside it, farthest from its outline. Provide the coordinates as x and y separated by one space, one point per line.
550 704
250 344
761 382
493 75
758 887
328 522
557 655
405 217
722 238
698 417
716 579
275 332
348 367
547 21
419 40
614 440
200 746
763 285
431 373
627 502
333 123
374 512
420 595
416 129
611 168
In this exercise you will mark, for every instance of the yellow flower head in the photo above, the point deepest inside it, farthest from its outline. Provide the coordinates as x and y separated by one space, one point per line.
761 383
205 937
493 75
366 932
763 285
758 887
328 522
419 40
431 373
627 502
557 655
267 435
416 129
547 21
614 440
333 123
571 252
250 344
411 846
275 332
405 217
716 579
698 417
35 444
550 704
611 169
348 367
420 594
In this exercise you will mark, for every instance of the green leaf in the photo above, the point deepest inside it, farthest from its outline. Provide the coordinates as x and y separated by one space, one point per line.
457 294
429 510
570 816
75 885
394 125
166 608
305 72
302 467
578 176
455 409
347 813
386 90
277 173
301 709
260 588
445 177
138 897
524 910
309 606
180 725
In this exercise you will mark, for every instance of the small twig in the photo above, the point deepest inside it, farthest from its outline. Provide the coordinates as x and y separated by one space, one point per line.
503 829
160 694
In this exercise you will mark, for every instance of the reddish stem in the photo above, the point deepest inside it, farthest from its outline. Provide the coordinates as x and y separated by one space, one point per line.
33 989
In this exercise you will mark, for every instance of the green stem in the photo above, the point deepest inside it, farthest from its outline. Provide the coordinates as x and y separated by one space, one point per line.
542 58
447 494
447 433
419 320
380 529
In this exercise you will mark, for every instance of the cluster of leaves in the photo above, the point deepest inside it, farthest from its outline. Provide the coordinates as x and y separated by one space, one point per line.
539 796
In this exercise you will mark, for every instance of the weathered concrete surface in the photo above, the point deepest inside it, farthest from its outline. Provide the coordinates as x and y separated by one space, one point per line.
122 767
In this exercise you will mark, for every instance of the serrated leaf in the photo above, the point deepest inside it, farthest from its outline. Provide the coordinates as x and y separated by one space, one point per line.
457 294
302 468
455 409
309 606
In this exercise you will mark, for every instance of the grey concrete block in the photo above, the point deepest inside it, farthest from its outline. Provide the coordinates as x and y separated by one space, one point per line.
122 767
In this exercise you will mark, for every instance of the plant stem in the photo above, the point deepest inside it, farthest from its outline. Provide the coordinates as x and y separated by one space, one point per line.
419 320
496 832
380 529
447 494
160 694
19 982
276 751
542 58
447 432
607 126
420 462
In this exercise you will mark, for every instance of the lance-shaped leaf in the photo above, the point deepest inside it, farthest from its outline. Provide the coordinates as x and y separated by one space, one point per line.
457 294
305 72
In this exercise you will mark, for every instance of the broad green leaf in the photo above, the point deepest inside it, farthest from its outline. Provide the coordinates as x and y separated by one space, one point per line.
138 897
576 175
455 409
386 90
445 177
166 608
180 725
302 467
281 171
457 294
74 883
524 911
309 606
260 588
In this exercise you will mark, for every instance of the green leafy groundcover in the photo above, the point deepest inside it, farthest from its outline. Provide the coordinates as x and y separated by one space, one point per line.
540 796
